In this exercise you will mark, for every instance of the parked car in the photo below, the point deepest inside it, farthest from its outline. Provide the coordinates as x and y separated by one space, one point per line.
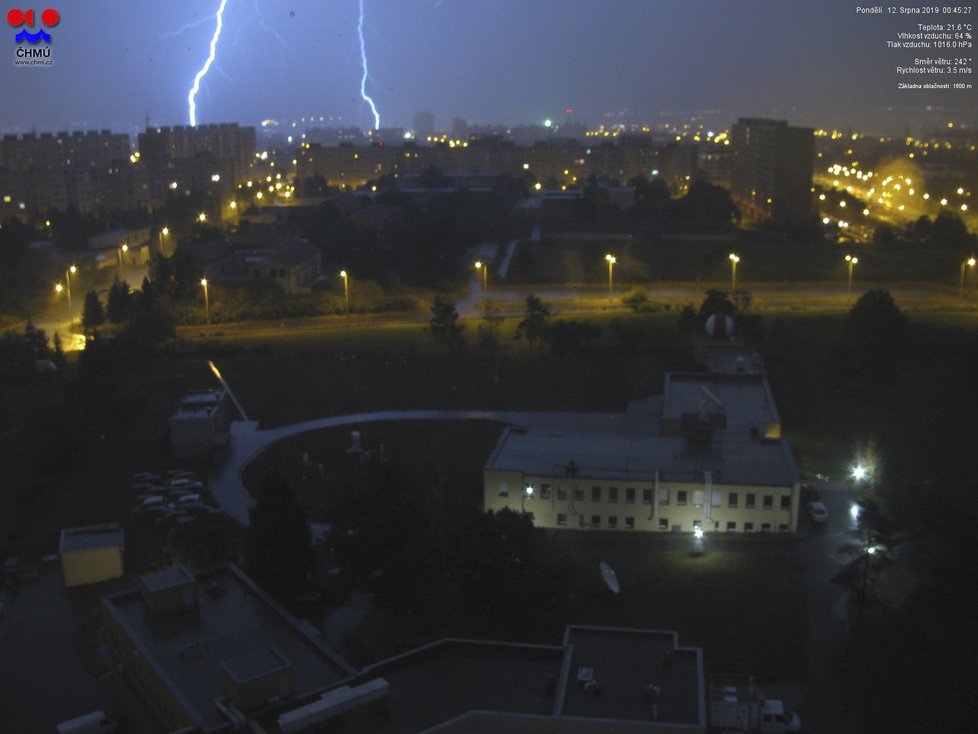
153 501
818 512
188 499
95 722
144 477
185 483
180 474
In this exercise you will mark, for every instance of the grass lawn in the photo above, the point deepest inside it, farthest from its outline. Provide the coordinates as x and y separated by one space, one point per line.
374 367
743 601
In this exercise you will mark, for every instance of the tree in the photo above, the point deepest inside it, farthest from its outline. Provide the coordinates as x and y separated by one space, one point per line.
93 315
58 352
506 583
534 324
120 306
875 334
444 325
278 544
716 301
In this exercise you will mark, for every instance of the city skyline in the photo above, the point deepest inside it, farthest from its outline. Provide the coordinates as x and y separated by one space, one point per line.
508 62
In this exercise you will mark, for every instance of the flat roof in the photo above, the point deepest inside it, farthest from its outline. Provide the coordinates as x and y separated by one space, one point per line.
233 618
625 663
745 399
167 578
733 359
91 537
733 456
450 678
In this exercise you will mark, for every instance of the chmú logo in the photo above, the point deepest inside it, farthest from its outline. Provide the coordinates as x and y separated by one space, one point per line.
17 18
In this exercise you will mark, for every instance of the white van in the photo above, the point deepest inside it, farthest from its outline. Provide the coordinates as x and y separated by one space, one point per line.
94 723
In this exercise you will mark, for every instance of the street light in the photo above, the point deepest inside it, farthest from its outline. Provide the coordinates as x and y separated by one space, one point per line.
207 302
484 267
611 264
68 273
122 251
852 263
970 262
346 290
527 495
57 289
734 259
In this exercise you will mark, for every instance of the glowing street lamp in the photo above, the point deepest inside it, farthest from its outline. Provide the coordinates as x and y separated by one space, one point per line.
484 268
852 263
202 217
611 264
346 290
734 259
207 302
58 288
122 251
68 273
526 495
969 263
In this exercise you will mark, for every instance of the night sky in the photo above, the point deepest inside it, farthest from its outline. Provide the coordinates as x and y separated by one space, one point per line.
494 61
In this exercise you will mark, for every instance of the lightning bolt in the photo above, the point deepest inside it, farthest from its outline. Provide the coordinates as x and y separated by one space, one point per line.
182 29
363 79
207 65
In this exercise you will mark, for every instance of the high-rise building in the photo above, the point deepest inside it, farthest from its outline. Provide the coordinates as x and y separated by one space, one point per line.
224 142
424 125
772 170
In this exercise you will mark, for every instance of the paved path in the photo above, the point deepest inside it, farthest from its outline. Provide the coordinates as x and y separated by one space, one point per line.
246 441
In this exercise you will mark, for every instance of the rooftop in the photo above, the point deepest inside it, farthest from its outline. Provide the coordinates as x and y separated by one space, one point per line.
232 620
745 399
448 679
625 663
734 457
91 537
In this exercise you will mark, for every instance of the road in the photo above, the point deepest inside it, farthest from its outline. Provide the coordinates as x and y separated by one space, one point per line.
825 708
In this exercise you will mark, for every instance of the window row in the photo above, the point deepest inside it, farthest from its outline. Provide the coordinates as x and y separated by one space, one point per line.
665 496
611 522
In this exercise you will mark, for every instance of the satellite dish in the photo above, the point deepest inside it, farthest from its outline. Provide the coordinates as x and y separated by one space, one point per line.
609 577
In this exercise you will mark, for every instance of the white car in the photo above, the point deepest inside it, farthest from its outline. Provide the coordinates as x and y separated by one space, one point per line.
817 512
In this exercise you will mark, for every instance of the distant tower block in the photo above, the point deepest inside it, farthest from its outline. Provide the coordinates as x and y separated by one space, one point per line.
424 125
720 325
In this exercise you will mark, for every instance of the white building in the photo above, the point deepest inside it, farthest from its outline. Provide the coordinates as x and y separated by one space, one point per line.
708 453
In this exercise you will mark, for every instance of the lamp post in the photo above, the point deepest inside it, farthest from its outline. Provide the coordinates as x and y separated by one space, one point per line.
734 259
611 264
484 268
207 302
122 251
969 263
68 273
527 494
163 234
852 263
346 290
57 289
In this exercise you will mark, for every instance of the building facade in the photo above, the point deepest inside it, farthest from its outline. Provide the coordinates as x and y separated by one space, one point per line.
771 173
706 454
92 554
